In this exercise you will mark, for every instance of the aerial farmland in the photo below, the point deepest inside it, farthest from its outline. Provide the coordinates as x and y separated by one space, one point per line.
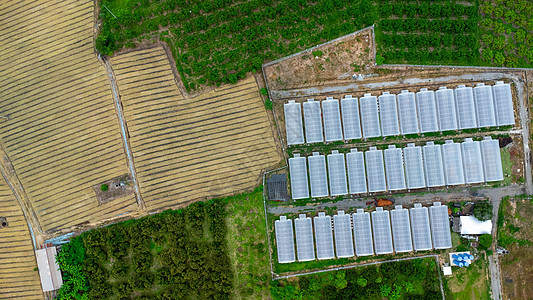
265 149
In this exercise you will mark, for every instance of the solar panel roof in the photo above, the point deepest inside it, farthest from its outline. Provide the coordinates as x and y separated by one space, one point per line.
446 108
485 114
492 162
414 166
440 226
304 238
362 231
298 174
427 111
375 171
503 103
343 235
350 118
337 174
420 228
332 120
324 237
293 123
472 162
394 168
284 240
313 121
388 113
466 110
382 231
453 163
433 166
370 116
401 230
407 112
317 175
355 162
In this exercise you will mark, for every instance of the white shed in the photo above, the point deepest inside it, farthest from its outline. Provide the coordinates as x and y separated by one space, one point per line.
471 225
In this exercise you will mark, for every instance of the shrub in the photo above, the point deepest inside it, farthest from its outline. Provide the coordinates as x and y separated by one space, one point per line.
263 91
104 187
483 211
362 281
485 241
317 53
268 104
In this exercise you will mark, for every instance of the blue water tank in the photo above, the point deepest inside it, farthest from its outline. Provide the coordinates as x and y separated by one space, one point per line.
471 257
455 262
454 256
466 264
461 264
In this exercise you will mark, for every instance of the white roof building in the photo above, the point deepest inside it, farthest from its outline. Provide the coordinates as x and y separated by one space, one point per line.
49 269
471 225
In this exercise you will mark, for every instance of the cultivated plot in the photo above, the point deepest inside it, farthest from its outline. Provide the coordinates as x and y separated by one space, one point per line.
191 149
62 134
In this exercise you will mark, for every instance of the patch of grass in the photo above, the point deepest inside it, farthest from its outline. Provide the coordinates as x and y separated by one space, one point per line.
507 166
469 283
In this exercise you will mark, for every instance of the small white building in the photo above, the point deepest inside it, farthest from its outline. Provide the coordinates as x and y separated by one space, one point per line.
447 271
49 272
470 225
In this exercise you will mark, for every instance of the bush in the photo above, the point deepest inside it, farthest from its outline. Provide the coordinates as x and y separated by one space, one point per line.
483 211
485 241
263 91
268 104
104 187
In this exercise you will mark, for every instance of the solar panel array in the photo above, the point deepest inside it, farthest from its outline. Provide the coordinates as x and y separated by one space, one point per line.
440 226
405 113
401 230
343 235
413 229
394 169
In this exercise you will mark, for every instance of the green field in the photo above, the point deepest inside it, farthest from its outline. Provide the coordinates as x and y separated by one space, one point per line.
411 279
470 283
215 41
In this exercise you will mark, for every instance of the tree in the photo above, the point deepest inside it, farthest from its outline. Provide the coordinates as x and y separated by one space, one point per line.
485 241
483 211
385 290
362 281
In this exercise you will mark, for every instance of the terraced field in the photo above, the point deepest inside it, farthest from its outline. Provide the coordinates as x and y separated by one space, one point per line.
191 149
18 279
60 128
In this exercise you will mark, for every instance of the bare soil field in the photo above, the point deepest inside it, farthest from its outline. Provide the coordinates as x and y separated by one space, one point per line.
19 279
191 149
517 266
60 128
335 61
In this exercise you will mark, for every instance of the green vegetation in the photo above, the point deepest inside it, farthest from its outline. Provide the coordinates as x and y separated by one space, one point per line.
485 241
104 187
508 229
417 278
469 283
268 104
483 211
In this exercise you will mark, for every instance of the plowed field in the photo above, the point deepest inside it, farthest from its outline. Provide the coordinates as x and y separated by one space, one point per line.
191 149
18 279
59 126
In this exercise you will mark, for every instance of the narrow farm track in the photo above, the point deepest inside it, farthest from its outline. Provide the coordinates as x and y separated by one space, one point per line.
18 279
185 150
63 135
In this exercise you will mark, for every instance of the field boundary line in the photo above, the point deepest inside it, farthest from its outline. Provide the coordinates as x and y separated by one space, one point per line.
123 130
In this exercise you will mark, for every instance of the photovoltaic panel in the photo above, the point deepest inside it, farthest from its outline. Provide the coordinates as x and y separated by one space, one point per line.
414 166
466 109
394 168
440 226
337 174
317 175
472 162
313 121
420 228
323 237
350 118
427 111
293 123
355 163
388 113
370 116
382 231
305 248
453 163
433 166
332 120
343 235
362 233
446 108
284 240
503 103
486 116
401 230
492 162
407 112
375 171
298 174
